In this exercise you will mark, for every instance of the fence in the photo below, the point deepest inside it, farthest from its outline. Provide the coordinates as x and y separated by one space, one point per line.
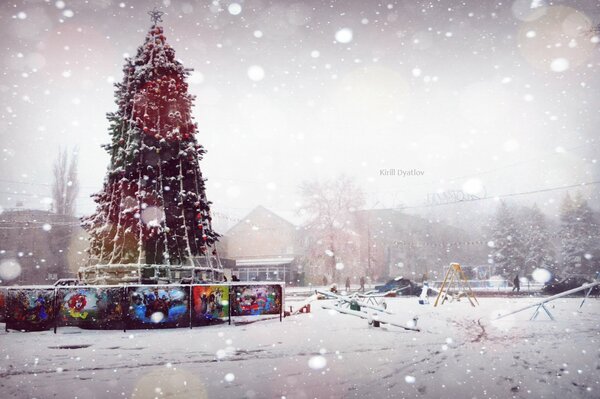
497 285
38 308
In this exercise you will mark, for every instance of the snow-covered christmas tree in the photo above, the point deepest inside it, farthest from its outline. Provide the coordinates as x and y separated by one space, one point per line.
507 243
579 236
538 252
152 222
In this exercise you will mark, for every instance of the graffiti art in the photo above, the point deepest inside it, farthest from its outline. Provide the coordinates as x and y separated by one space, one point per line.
156 306
247 300
30 309
211 302
92 307
2 305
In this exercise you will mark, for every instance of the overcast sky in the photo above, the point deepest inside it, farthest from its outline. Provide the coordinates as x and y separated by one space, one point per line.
488 97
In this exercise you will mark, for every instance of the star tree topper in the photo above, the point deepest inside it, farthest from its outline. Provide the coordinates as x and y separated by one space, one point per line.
156 15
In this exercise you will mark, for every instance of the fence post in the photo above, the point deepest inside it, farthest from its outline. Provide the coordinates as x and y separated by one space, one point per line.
191 303
54 310
229 307
124 307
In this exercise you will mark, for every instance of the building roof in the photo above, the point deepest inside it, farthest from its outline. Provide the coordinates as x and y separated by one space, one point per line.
264 261
256 214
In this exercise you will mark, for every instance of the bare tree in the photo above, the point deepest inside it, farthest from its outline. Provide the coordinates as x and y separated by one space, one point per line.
66 185
332 242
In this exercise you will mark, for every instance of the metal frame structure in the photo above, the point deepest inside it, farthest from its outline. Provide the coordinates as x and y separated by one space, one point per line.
344 300
541 305
346 304
372 319
455 276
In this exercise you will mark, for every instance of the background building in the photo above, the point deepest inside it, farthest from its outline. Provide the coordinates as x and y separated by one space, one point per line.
263 247
394 243
46 246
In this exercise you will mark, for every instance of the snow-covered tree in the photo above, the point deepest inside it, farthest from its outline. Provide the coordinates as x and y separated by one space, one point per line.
332 242
65 186
579 235
538 251
507 243
152 208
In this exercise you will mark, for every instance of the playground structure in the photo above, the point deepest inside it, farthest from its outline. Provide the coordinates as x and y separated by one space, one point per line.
302 307
352 305
356 301
541 305
455 278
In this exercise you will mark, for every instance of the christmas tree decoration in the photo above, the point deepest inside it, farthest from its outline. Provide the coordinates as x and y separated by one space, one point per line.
152 222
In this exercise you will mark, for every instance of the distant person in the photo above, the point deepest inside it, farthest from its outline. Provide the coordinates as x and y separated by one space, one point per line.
424 297
362 284
234 278
347 284
324 281
517 284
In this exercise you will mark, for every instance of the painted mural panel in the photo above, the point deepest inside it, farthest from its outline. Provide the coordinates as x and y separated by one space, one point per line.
157 306
91 307
3 292
210 302
254 300
30 308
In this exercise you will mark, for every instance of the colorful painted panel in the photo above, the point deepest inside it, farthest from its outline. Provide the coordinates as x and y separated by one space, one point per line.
158 306
3 292
211 302
247 300
30 308
92 307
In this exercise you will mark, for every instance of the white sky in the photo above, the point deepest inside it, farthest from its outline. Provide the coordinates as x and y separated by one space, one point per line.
495 92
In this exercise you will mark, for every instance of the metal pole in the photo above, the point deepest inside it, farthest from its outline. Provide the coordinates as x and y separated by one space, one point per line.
54 308
229 307
191 304
586 296
124 308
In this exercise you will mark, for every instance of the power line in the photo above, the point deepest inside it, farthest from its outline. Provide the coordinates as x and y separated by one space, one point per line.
551 152
233 219
489 243
544 190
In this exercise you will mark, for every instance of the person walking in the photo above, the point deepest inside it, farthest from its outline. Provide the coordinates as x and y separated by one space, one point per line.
362 284
347 284
517 284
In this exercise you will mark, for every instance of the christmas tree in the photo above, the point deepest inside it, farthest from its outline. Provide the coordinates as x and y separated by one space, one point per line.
152 216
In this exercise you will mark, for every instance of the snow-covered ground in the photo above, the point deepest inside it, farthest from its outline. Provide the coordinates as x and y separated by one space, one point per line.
460 353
